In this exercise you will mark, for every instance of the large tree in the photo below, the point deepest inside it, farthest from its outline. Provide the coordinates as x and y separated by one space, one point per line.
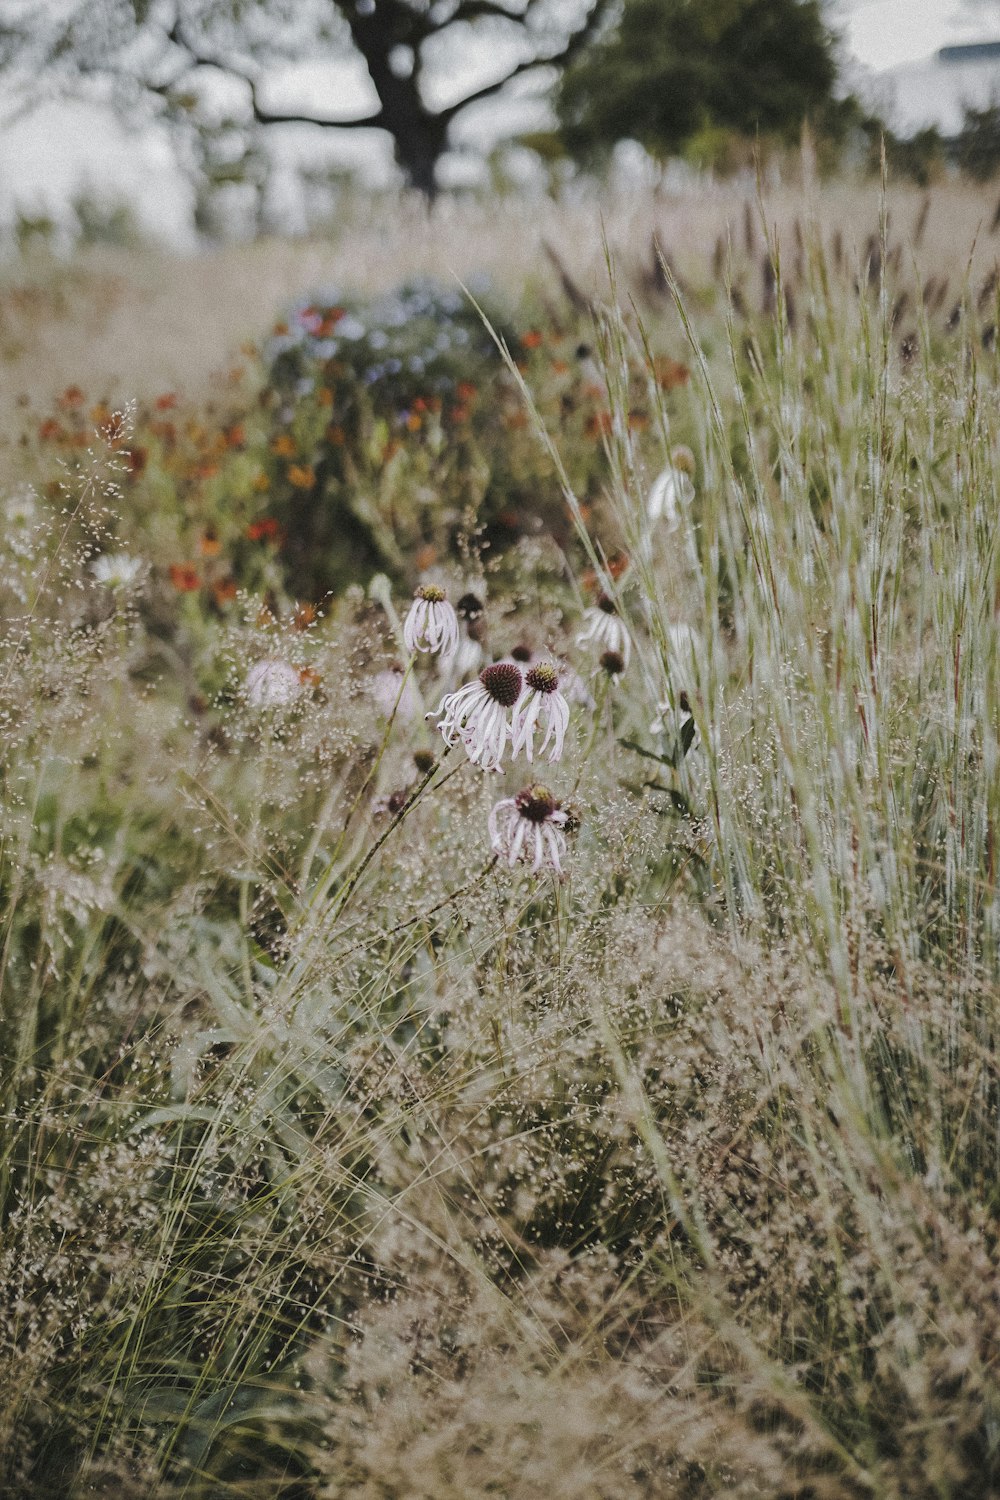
163 50
670 68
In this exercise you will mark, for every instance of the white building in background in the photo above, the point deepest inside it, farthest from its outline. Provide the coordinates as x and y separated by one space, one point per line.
936 91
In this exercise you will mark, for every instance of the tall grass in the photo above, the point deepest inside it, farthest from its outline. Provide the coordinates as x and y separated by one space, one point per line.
338 1159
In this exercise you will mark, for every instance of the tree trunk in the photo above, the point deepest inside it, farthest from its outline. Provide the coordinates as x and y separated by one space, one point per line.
419 138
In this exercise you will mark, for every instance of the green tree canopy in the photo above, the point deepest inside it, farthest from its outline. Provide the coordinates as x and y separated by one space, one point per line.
670 68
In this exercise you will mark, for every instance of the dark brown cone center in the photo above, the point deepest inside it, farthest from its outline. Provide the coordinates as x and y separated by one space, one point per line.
544 678
503 682
536 803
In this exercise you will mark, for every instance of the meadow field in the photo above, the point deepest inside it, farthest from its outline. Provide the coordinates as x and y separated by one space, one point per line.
498 853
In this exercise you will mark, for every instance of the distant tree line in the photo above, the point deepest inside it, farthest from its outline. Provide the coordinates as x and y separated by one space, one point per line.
690 77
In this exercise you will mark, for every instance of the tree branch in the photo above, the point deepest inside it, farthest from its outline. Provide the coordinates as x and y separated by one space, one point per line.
474 10
574 42
279 117
263 116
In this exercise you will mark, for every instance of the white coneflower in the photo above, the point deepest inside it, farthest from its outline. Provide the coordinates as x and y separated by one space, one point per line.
541 699
272 684
575 690
470 654
470 609
605 627
394 692
432 624
478 714
468 658
612 663
116 570
671 489
684 652
529 827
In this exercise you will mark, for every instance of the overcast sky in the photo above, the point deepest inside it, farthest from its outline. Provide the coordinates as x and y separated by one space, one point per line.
45 158
883 33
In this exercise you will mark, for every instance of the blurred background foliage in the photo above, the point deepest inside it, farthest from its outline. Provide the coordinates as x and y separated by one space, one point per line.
723 85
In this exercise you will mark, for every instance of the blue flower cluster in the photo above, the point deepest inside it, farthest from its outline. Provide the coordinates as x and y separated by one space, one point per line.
420 340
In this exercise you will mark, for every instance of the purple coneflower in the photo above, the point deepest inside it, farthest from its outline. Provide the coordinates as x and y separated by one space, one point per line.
529 827
605 627
541 699
272 684
395 693
478 714
432 624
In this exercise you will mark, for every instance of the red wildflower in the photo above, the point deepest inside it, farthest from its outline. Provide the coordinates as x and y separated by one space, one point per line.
184 577
267 529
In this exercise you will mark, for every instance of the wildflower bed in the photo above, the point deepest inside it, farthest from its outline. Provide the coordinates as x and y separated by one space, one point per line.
500 921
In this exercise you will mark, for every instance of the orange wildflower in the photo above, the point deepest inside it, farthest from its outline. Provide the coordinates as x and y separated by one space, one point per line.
209 545
324 396
301 476
531 339
466 391
236 435
413 422
184 577
425 557
50 431
71 398
261 482
267 529
100 414
670 372
166 402
284 445
224 590
309 677
304 616
136 459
